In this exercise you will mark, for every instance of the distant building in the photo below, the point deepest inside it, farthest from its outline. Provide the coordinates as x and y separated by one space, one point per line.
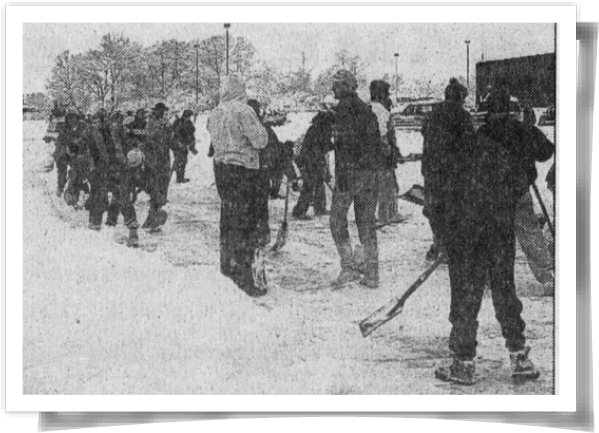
530 79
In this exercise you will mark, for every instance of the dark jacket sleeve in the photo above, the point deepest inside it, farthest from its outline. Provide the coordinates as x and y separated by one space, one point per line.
94 137
541 147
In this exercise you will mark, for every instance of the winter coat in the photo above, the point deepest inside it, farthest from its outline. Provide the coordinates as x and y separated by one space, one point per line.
540 149
85 141
315 145
494 174
447 131
272 155
357 137
158 142
391 153
184 131
235 131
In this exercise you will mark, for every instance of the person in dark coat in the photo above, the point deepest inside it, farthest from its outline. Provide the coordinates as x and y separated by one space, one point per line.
280 164
184 142
136 130
117 159
358 159
483 182
313 167
60 154
89 162
529 233
446 126
157 167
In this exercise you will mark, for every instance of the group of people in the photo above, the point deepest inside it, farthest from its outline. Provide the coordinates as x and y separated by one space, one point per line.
248 170
110 159
477 198
476 186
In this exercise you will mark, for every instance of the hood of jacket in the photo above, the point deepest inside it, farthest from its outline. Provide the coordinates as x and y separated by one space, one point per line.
232 89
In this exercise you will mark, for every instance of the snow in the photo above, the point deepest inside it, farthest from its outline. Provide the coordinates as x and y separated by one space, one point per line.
101 318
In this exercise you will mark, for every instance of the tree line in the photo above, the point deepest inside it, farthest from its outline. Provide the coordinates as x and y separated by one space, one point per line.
122 74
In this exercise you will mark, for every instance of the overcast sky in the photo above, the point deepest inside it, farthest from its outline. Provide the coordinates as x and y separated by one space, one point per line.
426 51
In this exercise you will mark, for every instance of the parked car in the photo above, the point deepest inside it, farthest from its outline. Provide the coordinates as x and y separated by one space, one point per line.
516 112
411 117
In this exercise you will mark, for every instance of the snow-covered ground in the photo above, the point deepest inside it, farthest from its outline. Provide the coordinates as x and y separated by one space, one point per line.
104 319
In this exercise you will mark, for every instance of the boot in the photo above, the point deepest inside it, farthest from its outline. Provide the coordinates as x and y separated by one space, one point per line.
158 220
522 366
359 258
346 276
459 371
133 241
95 220
348 272
371 276
148 222
113 215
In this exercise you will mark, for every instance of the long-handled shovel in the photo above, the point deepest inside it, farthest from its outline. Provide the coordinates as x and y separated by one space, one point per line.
395 306
282 235
543 208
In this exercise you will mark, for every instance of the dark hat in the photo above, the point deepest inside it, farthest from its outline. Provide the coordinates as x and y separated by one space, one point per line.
160 107
379 86
455 91
499 101
379 90
187 113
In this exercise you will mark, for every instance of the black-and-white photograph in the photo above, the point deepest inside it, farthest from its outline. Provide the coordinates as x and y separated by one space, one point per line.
289 209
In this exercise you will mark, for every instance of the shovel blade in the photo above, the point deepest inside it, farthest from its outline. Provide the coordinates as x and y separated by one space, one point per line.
380 317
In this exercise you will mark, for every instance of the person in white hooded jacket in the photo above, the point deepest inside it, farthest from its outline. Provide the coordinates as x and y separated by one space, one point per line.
237 136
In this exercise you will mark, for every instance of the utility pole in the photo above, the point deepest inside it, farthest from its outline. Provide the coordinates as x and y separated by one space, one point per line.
197 47
303 62
396 76
467 64
163 71
227 25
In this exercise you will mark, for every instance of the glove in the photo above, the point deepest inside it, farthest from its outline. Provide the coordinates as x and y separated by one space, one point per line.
193 150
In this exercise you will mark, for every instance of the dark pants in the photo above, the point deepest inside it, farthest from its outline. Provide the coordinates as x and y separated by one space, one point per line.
434 209
262 206
97 201
360 188
387 199
180 163
313 192
61 158
123 197
240 192
479 252
79 174
157 183
276 177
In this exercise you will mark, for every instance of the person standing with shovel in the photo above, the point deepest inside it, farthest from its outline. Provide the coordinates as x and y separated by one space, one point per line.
237 136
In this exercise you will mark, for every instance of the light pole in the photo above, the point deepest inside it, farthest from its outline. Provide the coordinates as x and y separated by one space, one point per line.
227 25
467 64
197 47
396 76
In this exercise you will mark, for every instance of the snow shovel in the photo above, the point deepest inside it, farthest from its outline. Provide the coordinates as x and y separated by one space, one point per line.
395 306
414 195
282 235
543 208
